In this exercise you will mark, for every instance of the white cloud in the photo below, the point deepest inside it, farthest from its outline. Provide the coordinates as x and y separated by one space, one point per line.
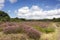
2 4
13 1
35 12
24 10
2 1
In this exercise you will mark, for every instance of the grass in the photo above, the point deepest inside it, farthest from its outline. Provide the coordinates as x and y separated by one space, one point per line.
44 30
17 36
50 36
58 33
1 29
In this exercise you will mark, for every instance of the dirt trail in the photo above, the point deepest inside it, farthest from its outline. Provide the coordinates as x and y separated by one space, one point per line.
58 34
58 31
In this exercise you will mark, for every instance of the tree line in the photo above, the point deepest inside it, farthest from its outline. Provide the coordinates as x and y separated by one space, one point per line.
5 17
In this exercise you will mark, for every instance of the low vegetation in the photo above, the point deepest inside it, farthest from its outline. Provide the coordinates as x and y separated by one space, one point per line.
45 30
22 29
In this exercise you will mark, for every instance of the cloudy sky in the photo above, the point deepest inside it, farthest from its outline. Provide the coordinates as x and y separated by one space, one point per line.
31 9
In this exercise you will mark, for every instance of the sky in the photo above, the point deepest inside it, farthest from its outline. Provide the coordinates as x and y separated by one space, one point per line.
31 9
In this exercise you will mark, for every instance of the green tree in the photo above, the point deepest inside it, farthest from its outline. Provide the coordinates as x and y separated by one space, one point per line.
4 16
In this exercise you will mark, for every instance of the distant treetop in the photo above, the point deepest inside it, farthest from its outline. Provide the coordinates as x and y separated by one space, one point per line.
4 16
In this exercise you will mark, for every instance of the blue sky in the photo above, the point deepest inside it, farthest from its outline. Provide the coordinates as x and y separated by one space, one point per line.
31 9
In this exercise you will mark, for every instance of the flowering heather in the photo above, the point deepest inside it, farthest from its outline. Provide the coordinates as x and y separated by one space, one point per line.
32 33
12 28
40 24
22 28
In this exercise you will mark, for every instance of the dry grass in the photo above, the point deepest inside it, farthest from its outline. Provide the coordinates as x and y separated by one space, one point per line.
50 36
13 36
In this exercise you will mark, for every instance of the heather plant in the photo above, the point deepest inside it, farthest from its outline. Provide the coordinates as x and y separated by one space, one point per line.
32 33
22 38
9 30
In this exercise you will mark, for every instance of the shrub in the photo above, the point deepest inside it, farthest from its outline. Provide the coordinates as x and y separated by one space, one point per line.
10 29
32 33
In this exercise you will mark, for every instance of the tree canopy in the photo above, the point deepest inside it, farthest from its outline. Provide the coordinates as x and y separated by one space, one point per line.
4 16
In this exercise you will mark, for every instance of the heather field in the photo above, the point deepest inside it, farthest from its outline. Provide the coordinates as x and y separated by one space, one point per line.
29 30
29 19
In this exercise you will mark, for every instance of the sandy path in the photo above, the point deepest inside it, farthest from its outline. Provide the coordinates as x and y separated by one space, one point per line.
57 31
